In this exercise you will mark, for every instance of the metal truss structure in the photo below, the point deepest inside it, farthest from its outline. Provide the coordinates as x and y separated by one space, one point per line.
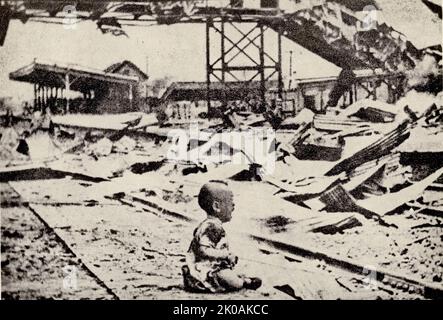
242 57
330 29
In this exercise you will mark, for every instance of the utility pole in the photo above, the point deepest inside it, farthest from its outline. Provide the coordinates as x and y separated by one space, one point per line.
290 69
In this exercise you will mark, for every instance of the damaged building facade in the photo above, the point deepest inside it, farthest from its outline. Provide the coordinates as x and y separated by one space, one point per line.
119 88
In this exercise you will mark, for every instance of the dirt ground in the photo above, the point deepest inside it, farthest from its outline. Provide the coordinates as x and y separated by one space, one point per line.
141 265
129 252
34 257
134 249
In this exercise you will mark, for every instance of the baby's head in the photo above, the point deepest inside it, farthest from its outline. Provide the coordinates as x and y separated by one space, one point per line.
217 200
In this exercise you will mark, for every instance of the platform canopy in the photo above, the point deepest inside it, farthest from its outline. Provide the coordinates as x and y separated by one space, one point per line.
194 91
55 75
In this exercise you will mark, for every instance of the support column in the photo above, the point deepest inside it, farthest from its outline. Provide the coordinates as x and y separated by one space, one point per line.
130 96
262 70
35 97
39 97
208 68
56 100
351 96
321 100
223 63
68 91
51 100
45 99
374 90
279 65
356 91
42 98
48 98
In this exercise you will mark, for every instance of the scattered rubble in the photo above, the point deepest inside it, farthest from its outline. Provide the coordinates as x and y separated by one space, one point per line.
102 147
367 176
124 145
347 223
33 255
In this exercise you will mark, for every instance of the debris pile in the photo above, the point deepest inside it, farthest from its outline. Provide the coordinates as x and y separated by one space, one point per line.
321 181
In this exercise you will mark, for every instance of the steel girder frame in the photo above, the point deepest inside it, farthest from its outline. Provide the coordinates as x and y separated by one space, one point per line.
262 67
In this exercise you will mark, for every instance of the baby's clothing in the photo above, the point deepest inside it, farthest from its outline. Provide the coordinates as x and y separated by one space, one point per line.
202 275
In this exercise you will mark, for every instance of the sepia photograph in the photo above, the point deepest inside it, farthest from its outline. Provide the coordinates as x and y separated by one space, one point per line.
196 150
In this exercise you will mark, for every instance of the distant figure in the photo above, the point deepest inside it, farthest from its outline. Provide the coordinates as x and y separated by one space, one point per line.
210 264
345 80
23 147
9 118
26 109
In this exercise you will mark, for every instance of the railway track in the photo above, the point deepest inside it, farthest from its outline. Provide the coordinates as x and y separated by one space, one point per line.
386 280
348 274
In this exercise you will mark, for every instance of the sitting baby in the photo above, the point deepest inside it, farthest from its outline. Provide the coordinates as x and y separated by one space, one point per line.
210 264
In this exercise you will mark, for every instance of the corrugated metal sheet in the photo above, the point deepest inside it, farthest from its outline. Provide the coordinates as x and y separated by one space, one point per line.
374 151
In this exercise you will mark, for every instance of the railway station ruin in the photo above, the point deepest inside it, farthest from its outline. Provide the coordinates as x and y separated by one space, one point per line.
324 118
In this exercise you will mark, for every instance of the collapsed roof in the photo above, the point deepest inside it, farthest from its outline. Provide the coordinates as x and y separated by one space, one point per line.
52 74
334 29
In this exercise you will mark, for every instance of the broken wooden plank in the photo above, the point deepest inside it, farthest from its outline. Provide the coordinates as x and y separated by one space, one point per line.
374 151
391 201
41 172
161 206
426 209
356 181
340 226
303 189
337 199
334 123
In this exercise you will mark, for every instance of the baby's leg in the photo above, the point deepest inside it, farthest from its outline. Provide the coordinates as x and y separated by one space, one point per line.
230 279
